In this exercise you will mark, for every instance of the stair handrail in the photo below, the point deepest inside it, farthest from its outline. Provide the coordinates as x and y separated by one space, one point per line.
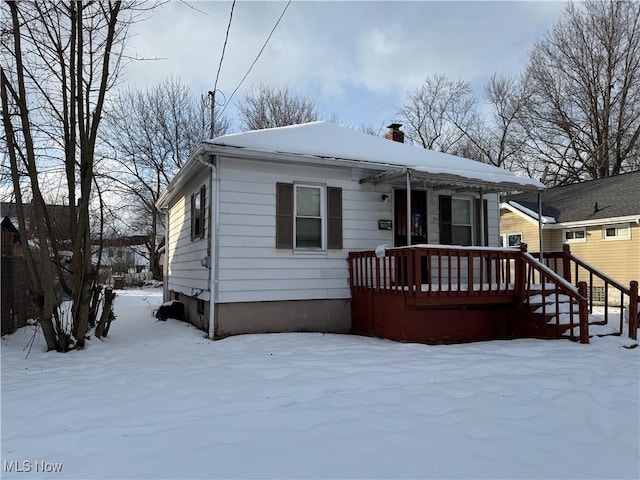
566 251
631 291
577 294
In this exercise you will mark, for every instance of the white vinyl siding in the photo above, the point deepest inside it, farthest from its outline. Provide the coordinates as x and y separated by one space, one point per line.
184 256
250 266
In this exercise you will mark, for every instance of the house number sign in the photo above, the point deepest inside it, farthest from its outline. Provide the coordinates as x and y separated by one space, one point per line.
385 225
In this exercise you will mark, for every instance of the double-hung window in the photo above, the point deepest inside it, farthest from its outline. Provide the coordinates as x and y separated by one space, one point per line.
308 217
197 214
460 221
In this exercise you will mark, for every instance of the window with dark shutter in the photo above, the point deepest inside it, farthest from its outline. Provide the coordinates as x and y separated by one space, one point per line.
284 215
302 211
193 217
334 217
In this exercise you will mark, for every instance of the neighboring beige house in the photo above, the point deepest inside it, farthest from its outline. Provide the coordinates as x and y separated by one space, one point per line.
598 219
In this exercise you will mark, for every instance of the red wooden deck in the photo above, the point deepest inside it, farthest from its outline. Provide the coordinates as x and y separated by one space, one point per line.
439 294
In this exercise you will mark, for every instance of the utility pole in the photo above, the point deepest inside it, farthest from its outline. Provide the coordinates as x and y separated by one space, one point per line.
212 96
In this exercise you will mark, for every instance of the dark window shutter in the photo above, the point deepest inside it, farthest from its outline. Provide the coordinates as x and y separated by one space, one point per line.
446 234
202 210
334 217
193 217
477 222
284 215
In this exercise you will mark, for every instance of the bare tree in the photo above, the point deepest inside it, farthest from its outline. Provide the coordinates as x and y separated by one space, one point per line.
149 134
58 62
498 138
583 113
437 115
376 131
270 106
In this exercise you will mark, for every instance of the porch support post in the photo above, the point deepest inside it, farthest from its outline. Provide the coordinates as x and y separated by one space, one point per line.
481 241
408 208
540 254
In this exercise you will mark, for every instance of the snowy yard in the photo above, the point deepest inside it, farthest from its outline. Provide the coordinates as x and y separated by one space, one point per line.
157 400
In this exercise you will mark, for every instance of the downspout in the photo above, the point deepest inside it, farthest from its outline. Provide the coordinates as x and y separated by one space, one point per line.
165 263
213 242
540 255
408 208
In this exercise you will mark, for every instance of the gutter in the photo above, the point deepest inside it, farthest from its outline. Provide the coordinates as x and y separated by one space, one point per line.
600 221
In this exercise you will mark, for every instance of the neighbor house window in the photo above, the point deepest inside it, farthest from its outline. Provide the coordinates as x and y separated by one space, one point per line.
197 214
510 240
308 217
575 235
616 232
459 221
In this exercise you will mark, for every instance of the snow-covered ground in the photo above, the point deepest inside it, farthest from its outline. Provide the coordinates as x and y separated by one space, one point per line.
157 400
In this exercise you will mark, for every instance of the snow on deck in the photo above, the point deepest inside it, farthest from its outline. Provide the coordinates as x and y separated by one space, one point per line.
157 400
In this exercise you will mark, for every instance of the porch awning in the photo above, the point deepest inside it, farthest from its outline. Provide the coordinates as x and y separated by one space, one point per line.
496 181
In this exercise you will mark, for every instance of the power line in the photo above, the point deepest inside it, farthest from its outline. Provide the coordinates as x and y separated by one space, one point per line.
215 85
258 56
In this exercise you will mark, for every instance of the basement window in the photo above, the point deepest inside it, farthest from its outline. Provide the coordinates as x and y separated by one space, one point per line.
616 232
200 307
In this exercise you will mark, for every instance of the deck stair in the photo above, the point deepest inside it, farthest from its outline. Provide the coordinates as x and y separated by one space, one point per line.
557 316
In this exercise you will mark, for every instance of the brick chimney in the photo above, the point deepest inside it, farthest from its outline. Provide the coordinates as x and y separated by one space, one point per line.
394 133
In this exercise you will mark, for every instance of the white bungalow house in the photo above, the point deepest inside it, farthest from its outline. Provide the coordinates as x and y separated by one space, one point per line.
259 224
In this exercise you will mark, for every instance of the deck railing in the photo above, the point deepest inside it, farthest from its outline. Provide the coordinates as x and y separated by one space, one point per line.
435 271
429 274
615 299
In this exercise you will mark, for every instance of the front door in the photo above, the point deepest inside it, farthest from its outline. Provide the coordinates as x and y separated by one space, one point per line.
418 217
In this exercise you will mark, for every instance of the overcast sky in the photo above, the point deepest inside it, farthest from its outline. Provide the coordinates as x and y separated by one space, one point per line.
357 59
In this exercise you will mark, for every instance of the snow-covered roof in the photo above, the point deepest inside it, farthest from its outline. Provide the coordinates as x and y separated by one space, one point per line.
529 212
324 140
